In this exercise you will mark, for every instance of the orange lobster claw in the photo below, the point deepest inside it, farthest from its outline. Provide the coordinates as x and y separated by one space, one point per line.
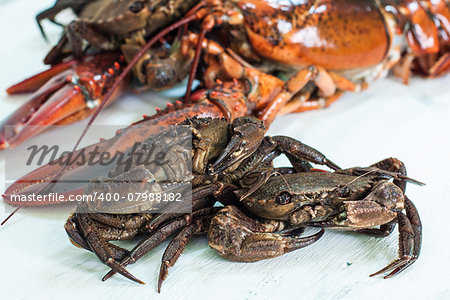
71 92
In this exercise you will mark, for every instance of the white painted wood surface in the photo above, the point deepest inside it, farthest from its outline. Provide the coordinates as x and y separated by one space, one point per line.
389 119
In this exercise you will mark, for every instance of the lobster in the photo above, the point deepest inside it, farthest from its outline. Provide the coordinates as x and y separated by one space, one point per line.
227 100
323 48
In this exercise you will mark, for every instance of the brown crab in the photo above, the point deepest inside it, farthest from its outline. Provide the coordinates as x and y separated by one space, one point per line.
123 25
357 199
266 208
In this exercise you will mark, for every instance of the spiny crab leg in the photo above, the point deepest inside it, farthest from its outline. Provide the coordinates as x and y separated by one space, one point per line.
410 241
201 214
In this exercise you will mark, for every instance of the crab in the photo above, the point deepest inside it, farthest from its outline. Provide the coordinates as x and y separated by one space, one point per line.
265 209
222 155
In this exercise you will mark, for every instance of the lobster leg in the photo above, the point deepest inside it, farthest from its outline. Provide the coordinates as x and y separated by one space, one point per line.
66 98
304 104
441 66
327 81
427 34
329 85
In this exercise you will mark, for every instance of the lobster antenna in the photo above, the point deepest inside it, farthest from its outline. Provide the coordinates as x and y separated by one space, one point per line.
11 214
198 49
122 76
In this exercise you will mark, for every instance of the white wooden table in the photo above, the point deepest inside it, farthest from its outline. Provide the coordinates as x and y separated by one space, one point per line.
389 119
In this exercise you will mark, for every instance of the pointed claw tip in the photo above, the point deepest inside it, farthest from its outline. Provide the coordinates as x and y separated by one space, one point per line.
159 286
162 275
104 278
160 281
137 280
121 270
108 275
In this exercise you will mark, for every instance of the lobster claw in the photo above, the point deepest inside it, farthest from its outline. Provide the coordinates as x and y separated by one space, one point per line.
247 135
72 92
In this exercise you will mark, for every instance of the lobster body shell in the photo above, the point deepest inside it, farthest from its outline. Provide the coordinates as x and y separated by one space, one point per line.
337 35
343 35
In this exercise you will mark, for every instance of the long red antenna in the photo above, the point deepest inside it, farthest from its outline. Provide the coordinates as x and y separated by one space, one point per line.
194 65
108 95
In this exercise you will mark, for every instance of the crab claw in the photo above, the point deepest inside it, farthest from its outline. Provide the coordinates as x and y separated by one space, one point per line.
72 92
248 132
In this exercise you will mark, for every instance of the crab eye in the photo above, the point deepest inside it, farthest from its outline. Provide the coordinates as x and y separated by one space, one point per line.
283 198
136 7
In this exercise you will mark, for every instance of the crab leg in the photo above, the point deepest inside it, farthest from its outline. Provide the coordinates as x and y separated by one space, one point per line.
160 233
409 225
178 244
77 239
73 92
150 242
410 241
